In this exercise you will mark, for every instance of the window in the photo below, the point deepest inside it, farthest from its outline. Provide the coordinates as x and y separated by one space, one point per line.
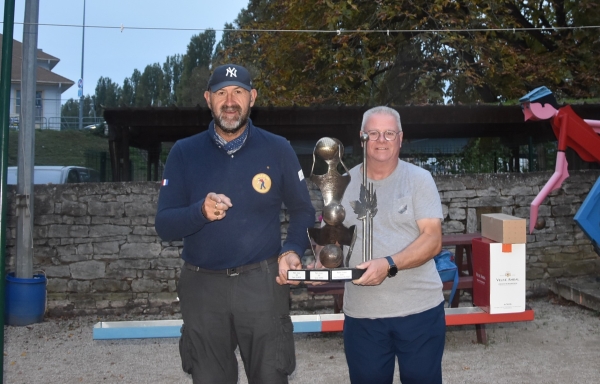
18 102
72 176
88 175
39 105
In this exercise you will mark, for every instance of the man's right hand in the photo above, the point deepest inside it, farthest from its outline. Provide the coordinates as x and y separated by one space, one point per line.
291 261
215 206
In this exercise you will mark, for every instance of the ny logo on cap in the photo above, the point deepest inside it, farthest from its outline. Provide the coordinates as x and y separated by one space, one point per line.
231 72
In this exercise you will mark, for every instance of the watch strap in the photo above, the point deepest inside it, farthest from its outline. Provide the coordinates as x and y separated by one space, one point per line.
391 261
392 269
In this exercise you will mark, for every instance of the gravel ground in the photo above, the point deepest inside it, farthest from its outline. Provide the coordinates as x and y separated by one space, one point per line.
562 345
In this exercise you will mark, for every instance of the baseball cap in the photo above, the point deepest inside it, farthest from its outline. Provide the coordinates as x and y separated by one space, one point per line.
229 74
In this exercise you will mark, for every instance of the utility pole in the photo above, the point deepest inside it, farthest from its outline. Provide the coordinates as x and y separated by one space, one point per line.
25 152
80 83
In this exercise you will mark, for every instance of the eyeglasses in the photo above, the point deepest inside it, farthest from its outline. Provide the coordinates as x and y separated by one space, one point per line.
388 135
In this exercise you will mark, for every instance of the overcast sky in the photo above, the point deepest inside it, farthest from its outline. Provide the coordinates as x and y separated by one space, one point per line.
111 53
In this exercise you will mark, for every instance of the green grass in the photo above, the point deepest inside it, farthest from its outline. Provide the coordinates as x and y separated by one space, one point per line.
59 147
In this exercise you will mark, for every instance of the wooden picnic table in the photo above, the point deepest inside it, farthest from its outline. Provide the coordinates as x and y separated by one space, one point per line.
463 250
463 259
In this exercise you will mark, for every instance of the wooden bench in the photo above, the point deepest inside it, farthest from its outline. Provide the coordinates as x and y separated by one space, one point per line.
336 289
454 316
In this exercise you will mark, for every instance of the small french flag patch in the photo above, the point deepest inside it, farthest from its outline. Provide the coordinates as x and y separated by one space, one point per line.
165 182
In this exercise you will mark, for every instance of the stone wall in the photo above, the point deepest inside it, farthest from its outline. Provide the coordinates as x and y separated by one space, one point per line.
97 245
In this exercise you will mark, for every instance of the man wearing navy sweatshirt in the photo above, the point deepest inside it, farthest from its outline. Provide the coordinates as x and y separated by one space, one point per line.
222 193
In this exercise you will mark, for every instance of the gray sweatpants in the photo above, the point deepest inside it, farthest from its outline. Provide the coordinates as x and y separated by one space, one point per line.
221 313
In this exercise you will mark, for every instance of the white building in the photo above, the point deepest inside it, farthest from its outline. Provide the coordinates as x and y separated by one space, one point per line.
49 88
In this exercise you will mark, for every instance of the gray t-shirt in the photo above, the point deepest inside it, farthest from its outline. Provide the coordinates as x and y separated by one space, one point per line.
407 195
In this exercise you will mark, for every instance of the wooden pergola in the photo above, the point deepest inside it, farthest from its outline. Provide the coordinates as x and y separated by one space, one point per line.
147 128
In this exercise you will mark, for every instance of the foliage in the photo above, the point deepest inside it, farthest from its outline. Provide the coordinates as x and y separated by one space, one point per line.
392 52
475 157
436 50
195 74
71 107
480 155
386 52
107 94
544 156
172 69
149 87
180 80
58 147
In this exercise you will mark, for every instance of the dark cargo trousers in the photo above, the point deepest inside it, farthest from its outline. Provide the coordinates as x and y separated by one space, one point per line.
221 313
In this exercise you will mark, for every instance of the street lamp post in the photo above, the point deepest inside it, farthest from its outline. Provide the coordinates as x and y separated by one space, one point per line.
80 83
26 148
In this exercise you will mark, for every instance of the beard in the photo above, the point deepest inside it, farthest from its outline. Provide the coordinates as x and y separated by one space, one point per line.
232 126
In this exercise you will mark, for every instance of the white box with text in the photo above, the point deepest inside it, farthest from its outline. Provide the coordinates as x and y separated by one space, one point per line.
498 276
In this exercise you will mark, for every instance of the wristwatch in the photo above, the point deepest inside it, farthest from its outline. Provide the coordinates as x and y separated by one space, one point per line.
392 269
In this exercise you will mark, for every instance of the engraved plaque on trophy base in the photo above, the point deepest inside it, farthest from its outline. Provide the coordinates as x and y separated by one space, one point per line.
333 274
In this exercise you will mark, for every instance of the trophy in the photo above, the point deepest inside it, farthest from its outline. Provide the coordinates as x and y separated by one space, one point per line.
366 206
333 236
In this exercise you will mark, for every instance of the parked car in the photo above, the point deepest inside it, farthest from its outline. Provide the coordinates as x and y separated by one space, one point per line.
59 174
99 127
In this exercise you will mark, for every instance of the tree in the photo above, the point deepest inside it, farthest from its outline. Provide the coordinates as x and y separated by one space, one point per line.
150 86
172 69
70 108
199 51
484 155
128 93
107 94
228 40
195 73
180 80
434 51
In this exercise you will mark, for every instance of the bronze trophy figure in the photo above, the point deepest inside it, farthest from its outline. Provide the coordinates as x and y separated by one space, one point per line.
333 235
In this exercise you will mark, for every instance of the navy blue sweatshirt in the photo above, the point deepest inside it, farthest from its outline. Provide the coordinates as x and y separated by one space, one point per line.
250 232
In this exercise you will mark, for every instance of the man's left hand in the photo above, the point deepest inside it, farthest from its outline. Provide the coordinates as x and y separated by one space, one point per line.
376 272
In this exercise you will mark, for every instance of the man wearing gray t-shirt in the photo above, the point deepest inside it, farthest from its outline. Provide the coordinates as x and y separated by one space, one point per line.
396 309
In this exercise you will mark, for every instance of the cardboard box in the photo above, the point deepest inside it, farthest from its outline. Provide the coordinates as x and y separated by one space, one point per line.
503 228
498 276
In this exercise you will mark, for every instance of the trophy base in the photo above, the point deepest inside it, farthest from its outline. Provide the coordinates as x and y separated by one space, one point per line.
333 274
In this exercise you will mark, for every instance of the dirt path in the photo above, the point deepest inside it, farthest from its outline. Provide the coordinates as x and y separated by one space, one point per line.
562 345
